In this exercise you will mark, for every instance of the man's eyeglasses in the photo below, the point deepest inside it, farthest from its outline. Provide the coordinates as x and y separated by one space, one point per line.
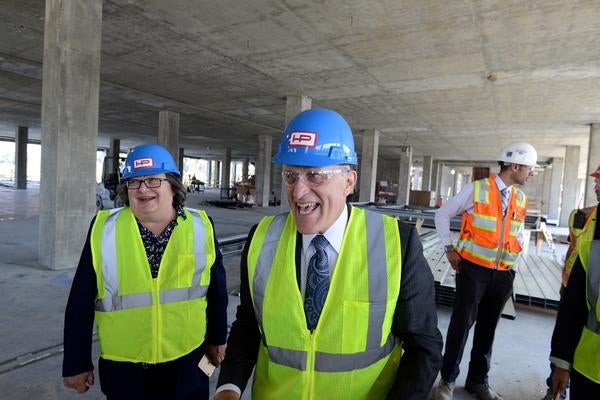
311 177
151 183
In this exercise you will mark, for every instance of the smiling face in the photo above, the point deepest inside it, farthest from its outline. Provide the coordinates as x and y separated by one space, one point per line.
151 203
316 206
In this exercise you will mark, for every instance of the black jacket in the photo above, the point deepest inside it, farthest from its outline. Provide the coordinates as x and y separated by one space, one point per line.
415 324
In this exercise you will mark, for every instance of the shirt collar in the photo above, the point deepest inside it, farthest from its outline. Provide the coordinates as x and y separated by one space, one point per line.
500 183
334 234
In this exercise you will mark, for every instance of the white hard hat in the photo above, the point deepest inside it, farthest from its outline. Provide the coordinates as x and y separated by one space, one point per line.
519 153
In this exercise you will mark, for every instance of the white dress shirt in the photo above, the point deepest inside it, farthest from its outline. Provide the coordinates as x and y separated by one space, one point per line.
462 202
334 236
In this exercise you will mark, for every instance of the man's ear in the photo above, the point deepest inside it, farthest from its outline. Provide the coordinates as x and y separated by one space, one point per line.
351 177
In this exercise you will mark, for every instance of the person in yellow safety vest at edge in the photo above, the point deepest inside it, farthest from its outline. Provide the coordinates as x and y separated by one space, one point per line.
337 302
575 348
490 240
152 277
577 220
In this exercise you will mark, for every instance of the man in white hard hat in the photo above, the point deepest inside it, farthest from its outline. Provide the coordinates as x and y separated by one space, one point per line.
493 212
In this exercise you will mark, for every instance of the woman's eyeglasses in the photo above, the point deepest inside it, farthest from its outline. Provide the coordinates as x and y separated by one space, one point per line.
151 183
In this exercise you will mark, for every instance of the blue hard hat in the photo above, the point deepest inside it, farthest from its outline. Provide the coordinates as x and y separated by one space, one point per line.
316 138
149 159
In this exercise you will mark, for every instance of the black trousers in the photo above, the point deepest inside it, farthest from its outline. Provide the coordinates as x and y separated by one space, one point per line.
583 388
480 297
180 379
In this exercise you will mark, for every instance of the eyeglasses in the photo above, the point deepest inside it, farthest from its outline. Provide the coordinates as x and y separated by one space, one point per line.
151 183
311 177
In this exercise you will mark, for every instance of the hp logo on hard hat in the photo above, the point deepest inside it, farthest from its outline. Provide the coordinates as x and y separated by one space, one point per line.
304 139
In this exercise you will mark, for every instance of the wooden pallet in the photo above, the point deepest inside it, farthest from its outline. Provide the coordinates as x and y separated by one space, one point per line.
537 281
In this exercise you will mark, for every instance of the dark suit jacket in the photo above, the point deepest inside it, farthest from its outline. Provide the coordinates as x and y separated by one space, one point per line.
415 324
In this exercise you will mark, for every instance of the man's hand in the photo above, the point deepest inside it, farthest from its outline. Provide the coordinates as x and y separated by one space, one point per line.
215 353
80 382
454 259
227 395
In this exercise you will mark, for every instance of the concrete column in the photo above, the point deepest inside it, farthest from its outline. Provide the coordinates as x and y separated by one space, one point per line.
115 149
21 139
445 183
70 98
592 164
569 193
263 170
427 169
218 174
294 105
404 176
556 179
245 165
180 154
436 175
226 168
368 165
209 173
168 132
455 178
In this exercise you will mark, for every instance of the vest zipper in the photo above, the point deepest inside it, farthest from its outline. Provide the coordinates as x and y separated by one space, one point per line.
156 321
310 366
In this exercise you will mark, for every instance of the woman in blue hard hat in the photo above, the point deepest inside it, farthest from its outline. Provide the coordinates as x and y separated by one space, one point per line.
151 276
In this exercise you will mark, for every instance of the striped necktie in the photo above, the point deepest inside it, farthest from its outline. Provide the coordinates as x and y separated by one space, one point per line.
504 193
317 282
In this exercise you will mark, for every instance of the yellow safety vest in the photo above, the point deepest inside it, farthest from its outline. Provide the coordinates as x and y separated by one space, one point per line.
486 237
352 353
141 319
587 353
574 233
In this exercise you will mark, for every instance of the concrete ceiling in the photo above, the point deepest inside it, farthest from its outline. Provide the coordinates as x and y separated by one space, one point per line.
455 79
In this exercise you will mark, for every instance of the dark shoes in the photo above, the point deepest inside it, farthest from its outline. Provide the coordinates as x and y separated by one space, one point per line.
482 391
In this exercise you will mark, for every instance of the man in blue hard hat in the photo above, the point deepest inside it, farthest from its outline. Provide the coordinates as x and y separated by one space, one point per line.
336 302
151 276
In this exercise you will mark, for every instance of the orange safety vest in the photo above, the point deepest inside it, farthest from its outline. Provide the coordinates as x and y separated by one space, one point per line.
486 238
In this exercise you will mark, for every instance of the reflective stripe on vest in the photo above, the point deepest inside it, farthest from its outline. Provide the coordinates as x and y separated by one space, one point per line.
329 362
112 301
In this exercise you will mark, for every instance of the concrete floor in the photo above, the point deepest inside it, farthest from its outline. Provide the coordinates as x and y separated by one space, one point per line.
34 299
